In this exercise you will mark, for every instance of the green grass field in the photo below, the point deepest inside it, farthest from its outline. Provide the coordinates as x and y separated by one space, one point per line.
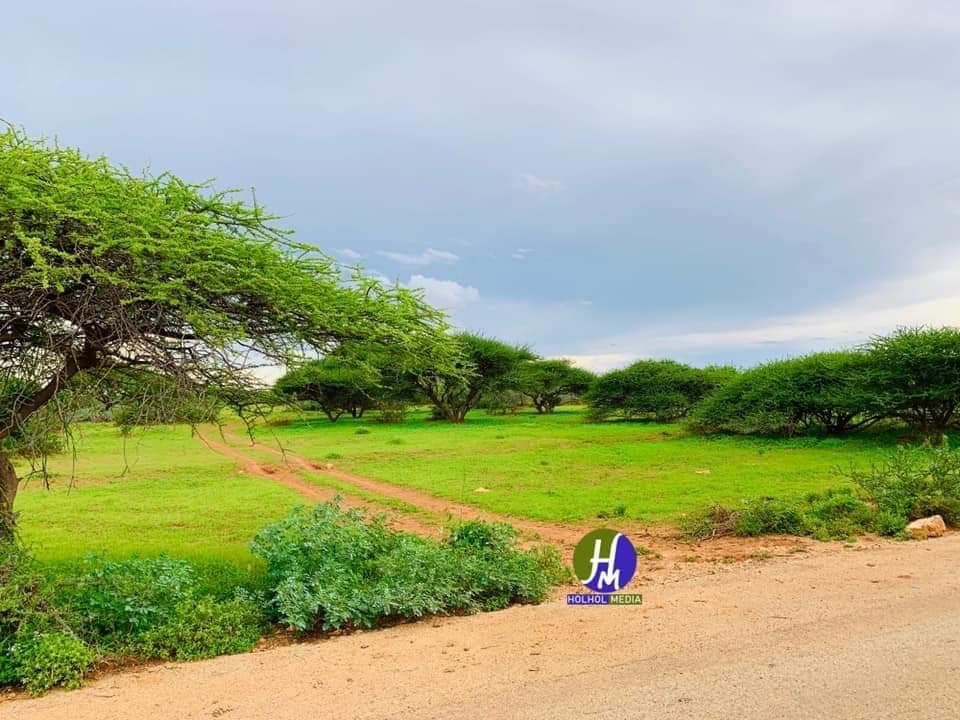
160 491
163 491
557 467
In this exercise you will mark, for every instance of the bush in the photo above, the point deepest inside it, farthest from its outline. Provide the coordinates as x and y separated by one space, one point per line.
836 514
660 389
43 660
333 569
113 601
915 483
203 627
824 392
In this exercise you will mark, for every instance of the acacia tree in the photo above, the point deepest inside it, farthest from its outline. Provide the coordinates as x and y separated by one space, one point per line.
545 382
664 389
101 270
332 383
916 378
484 366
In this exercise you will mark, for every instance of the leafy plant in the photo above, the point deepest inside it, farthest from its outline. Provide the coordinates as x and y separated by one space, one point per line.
43 660
332 569
914 483
204 627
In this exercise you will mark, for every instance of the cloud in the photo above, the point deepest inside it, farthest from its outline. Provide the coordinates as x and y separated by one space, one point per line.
536 185
601 362
427 257
444 294
521 253
350 254
929 296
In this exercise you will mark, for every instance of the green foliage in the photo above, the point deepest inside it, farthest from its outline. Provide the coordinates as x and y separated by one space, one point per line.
112 601
917 377
332 569
336 385
915 483
485 366
204 627
660 389
102 271
835 514
546 382
480 535
822 391
43 660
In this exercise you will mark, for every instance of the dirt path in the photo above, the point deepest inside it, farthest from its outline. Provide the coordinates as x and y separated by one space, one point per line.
285 476
673 552
869 632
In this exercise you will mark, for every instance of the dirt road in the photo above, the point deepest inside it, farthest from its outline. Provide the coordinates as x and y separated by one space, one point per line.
867 632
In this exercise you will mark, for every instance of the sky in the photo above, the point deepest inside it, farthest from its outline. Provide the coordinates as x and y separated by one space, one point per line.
604 180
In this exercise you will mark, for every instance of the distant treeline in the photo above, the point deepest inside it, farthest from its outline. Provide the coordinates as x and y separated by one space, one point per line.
911 376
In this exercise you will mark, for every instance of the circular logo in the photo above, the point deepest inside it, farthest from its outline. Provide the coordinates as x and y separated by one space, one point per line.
604 560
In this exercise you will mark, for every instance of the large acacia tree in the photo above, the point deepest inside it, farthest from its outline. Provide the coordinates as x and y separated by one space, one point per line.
102 271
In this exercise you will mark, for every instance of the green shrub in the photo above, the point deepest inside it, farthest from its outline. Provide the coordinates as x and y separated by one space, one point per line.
112 601
203 627
480 535
769 516
332 569
836 514
915 483
660 389
43 660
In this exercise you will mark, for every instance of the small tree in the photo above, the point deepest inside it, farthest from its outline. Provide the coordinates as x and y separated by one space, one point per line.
663 389
485 366
545 382
917 378
102 270
334 384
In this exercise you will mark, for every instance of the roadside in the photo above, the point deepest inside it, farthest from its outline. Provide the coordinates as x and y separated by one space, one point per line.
869 631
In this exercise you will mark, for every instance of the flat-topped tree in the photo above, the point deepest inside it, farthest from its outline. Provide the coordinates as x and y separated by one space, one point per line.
485 365
546 382
102 270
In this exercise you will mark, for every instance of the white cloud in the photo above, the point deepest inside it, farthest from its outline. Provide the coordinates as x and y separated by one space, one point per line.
445 294
351 254
536 185
601 362
429 256
521 253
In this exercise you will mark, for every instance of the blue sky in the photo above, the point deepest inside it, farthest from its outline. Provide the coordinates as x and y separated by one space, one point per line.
714 182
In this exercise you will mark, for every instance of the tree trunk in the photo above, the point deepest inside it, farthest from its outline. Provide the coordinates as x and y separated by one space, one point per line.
8 492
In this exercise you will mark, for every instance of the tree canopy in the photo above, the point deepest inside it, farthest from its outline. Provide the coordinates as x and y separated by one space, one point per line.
102 269
663 389
545 382
485 366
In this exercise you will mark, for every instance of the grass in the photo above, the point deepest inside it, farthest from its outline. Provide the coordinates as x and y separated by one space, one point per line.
160 491
560 468
163 491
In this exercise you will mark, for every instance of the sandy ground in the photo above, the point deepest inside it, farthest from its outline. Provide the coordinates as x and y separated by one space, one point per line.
869 631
